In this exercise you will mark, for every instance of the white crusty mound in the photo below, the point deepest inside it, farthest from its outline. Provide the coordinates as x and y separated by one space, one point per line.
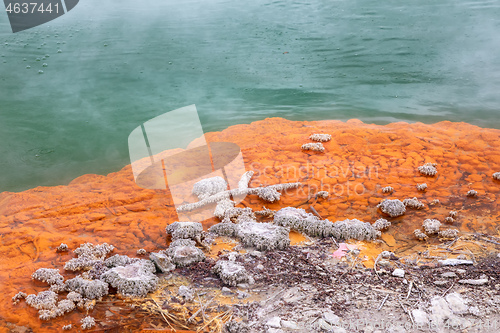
393 208
431 226
313 147
321 137
208 187
428 169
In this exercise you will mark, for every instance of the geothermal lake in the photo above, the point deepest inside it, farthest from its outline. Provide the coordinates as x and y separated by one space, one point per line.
395 85
110 67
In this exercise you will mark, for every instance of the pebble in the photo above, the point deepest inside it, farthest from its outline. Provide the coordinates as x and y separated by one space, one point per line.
274 322
291 325
259 267
242 294
449 275
331 317
455 262
420 317
226 291
398 272
440 282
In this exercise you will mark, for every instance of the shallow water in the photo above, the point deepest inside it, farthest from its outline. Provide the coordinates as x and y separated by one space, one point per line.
123 64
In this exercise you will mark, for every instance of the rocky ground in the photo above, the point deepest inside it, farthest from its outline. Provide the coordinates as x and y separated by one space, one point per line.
305 289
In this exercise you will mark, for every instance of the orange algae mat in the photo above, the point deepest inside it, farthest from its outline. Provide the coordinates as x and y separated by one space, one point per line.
358 161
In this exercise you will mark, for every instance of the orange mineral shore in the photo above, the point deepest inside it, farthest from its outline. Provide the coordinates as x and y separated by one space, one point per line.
357 163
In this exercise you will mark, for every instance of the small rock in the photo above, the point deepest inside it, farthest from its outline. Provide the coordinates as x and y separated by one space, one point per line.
457 303
461 271
474 310
331 317
162 262
420 317
323 325
440 282
477 282
226 291
398 272
449 275
274 330
274 322
259 267
291 325
242 294
455 262
186 293
339 330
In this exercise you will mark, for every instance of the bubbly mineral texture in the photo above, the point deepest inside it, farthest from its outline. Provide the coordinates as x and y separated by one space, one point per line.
321 137
185 230
263 236
183 252
472 194
387 189
448 233
354 229
62 307
428 169
431 226
313 147
45 300
227 229
239 215
421 187
322 194
186 293
420 235
162 262
88 255
91 289
413 203
87 322
119 260
235 327
232 273
298 219
48 275
76 298
393 208
19 296
434 202
265 212
496 175
208 187
222 207
62 248
266 193
381 224
134 280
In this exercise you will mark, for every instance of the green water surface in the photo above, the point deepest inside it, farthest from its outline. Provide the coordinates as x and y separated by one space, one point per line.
112 65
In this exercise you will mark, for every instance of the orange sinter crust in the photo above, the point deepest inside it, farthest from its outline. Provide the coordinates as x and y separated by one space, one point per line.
357 163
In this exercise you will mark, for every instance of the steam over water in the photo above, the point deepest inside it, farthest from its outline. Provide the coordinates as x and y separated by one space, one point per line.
71 91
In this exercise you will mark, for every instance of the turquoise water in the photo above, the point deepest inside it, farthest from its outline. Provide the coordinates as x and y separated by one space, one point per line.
123 63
